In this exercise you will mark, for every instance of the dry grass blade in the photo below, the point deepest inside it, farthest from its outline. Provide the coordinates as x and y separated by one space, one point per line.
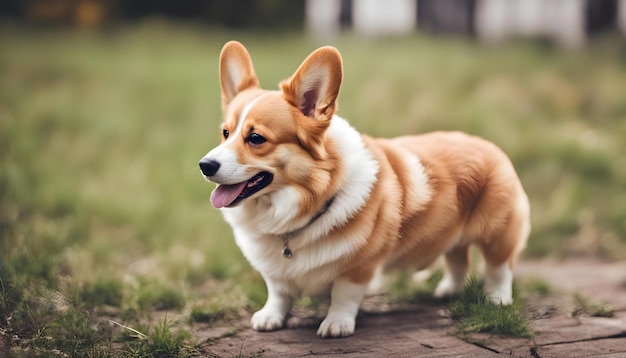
137 333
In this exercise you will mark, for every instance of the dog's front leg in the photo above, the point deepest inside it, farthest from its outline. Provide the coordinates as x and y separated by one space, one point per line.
345 299
272 315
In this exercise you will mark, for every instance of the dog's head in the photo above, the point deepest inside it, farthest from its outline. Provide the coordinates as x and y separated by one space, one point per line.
273 139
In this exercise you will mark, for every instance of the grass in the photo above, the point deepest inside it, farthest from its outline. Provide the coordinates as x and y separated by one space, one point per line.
103 291
103 215
586 306
476 314
162 340
472 311
538 287
159 297
221 307
405 289
166 342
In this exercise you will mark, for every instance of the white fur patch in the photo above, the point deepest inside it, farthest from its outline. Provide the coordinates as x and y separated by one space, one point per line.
418 184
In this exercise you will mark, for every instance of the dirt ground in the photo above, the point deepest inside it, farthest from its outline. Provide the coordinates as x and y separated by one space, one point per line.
425 330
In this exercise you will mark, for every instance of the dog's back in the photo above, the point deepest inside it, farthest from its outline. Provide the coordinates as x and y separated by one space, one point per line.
473 197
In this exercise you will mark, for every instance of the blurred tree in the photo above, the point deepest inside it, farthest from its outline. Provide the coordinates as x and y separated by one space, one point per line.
185 9
600 15
10 7
256 13
271 14
84 13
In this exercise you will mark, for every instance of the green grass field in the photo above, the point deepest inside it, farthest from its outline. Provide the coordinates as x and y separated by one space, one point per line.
104 215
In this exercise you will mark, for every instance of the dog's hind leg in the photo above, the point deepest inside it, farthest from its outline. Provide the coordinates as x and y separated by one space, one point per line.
500 254
457 264
499 283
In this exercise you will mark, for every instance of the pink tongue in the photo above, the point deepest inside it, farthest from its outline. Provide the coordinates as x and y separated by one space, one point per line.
224 194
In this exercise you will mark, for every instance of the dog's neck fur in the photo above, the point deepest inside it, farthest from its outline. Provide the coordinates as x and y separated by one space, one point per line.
287 253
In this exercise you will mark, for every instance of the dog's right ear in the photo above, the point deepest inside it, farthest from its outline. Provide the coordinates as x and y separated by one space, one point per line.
314 86
313 90
236 71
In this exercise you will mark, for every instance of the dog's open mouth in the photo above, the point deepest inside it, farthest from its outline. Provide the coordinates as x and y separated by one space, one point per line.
230 195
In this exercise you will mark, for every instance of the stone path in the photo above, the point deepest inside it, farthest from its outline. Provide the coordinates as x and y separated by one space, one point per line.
424 330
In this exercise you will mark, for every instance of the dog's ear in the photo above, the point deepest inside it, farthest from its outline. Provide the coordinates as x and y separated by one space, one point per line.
314 86
236 71
313 90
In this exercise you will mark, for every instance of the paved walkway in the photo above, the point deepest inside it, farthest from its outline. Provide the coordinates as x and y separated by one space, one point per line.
424 330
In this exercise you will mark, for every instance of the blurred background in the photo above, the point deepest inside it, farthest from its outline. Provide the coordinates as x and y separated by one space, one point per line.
567 22
106 107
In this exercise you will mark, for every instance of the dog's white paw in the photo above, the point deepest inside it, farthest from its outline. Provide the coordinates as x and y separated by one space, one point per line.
266 320
502 295
447 287
500 298
337 325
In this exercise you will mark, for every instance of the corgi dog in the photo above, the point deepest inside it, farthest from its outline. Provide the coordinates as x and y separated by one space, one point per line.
318 208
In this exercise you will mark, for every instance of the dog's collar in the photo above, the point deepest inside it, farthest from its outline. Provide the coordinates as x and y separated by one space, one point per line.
287 253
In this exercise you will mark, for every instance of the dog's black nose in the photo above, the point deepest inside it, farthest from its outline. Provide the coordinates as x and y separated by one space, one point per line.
209 166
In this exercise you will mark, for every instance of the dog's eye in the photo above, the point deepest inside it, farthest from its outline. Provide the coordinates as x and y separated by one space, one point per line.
225 133
256 139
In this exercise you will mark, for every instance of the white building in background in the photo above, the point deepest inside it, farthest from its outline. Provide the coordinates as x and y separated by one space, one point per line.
367 17
621 16
560 20
384 18
322 17
567 22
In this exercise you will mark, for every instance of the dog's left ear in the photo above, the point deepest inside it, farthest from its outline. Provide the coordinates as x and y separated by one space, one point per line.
314 86
236 72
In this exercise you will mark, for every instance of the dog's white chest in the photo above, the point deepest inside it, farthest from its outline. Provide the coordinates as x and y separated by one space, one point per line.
310 270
